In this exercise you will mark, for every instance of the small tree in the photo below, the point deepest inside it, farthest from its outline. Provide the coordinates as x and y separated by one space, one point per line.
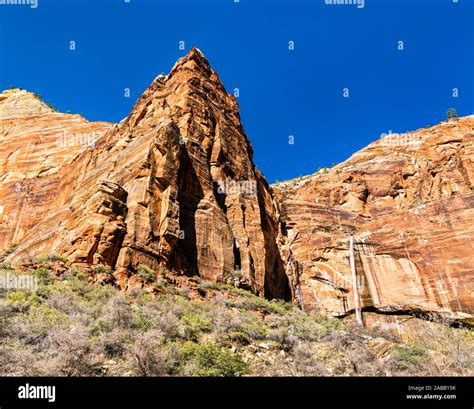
452 113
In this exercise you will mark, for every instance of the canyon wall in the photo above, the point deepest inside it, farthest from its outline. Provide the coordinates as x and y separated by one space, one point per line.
408 200
174 186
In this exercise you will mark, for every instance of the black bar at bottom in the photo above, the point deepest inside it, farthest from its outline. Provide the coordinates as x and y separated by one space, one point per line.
245 393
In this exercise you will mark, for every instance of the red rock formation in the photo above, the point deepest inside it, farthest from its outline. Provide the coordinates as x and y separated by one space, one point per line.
409 202
173 185
36 147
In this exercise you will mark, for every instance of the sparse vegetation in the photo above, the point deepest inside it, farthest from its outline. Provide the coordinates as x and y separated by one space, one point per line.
101 269
452 113
46 258
40 97
72 327
145 273
291 183
6 266
5 253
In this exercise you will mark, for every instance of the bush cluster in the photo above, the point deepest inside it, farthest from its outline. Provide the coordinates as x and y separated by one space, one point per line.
72 327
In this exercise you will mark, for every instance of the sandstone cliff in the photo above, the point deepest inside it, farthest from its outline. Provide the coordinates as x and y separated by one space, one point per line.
36 148
409 201
174 187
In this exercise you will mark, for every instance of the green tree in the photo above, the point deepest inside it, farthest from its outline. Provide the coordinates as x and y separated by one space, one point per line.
451 113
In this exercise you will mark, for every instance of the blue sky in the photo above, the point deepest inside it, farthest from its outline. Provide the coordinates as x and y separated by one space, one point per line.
282 92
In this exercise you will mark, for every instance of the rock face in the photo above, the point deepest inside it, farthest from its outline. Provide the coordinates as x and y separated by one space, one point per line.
37 146
408 200
173 186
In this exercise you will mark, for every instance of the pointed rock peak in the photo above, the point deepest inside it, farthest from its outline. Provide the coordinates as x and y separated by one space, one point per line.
16 103
194 60
195 54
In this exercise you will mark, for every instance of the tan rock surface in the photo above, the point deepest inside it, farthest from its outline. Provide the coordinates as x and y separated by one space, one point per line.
409 202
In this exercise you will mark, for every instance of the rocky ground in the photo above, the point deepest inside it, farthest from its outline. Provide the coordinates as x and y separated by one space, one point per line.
75 323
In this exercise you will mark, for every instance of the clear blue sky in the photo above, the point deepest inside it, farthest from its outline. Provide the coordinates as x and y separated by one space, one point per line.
282 92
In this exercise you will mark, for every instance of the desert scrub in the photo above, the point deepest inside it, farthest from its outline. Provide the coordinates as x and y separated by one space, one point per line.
43 275
146 273
135 333
295 326
194 323
58 257
101 269
247 301
410 354
90 292
117 313
23 300
42 259
34 325
242 329
206 359
409 359
141 321
456 344
6 266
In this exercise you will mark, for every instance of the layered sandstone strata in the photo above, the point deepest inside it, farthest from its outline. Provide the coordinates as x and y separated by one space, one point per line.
37 146
409 202
172 186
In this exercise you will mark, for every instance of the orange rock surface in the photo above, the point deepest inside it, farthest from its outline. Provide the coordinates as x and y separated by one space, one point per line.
409 202
173 186
37 146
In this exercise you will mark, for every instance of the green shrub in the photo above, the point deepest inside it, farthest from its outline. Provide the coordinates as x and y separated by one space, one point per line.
328 323
6 266
142 321
58 257
146 273
253 302
408 353
253 326
210 360
240 337
194 324
103 269
43 317
42 259
43 275
17 298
